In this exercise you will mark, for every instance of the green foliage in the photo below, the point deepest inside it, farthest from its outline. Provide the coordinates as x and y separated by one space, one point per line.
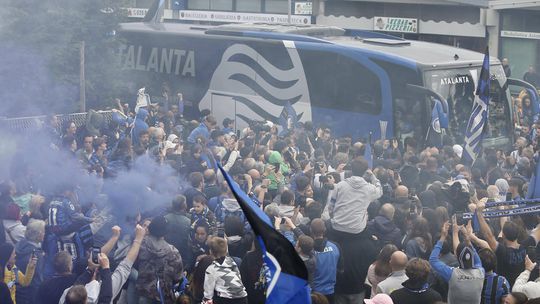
52 31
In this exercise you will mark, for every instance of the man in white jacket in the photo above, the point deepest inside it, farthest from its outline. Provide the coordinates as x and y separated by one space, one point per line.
522 284
351 198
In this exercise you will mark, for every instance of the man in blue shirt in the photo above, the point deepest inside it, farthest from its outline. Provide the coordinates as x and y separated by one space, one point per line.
328 261
465 282
203 130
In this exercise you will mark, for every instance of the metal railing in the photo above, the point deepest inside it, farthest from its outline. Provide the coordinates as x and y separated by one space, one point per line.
28 124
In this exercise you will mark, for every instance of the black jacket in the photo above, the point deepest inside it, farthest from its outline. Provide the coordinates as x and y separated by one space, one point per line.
358 252
415 294
385 230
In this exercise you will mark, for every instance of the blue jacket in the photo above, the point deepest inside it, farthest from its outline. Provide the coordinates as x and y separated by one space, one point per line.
327 257
139 125
200 131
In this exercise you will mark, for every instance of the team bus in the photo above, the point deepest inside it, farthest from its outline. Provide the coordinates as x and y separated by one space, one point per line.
354 83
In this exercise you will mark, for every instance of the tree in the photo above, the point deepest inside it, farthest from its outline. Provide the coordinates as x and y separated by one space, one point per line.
39 66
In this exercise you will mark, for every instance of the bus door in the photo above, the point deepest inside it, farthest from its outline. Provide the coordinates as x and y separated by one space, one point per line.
435 124
520 89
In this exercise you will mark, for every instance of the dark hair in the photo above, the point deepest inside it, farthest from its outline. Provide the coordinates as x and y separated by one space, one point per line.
302 182
359 166
520 297
98 142
66 125
488 258
197 281
234 226
318 298
67 141
76 295
287 197
179 203
306 244
280 145
382 263
511 231
313 210
417 270
200 199
195 179
420 228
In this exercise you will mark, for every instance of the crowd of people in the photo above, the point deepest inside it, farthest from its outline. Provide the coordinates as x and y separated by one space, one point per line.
385 228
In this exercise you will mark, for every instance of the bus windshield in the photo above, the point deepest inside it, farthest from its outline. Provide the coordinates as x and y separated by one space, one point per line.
458 87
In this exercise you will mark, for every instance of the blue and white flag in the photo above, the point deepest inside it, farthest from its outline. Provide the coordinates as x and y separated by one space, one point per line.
439 122
368 155
288 119
286 274
478 119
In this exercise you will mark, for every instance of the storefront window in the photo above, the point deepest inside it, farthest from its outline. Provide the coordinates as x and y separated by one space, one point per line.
198 4
221 5
276 6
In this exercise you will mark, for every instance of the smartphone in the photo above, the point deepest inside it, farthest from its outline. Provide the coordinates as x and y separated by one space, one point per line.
531 252
283 221
95 253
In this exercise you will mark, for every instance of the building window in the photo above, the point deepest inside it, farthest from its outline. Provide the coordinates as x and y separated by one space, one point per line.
276 6
221 5
198 4
252 6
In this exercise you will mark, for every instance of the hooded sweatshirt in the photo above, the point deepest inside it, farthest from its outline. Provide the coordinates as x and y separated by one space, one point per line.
385 230
350 201
223 279
464 283
139 125
277 180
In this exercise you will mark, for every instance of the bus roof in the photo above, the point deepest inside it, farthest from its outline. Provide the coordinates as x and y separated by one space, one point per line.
425 54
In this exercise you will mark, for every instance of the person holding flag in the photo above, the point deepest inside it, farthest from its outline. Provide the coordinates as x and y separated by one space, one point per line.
478 119
439 122
286 274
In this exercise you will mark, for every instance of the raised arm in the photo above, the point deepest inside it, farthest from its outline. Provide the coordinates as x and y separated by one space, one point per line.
116 230
484 227
441 268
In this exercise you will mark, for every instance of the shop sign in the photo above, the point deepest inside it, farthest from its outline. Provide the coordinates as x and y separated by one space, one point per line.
391 24
303 8
133 12
524 35
241 17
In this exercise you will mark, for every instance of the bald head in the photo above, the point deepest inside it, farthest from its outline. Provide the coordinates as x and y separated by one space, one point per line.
209 176
254 174
401 191
387 210
398 261
492 191
318 228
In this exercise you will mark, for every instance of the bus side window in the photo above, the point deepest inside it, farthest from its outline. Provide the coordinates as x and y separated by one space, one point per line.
341 83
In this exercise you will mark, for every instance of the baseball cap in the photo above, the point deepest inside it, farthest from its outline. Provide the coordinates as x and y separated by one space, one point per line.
381 298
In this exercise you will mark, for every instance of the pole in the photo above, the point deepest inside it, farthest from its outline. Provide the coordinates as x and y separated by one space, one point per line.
82 81
289 12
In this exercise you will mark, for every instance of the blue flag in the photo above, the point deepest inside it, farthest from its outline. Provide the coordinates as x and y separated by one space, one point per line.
286 274
439 121
368 155
534 103
534 184
478 119
288 118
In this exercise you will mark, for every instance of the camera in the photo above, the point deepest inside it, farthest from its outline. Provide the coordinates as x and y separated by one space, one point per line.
95 253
